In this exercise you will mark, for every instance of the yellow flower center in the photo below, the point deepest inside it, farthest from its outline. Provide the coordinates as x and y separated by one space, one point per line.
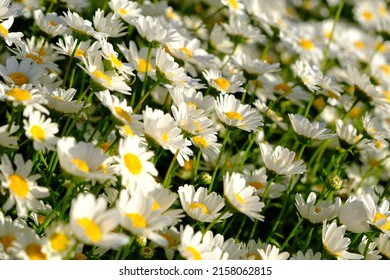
79 53
360 44
123 114
200 142
386 69
195 254
234 115
170 14
122 11
100 75
222 83
233 4
198 127
239 198
356 112
170 239
7 241
282 87
133 163
80 257
142 66
317 210
187 52
187 165
368 15
137 220
37 133
19 94
256 185
52 23
306 44
155 205
331 94
36 58
34 252
189 103
195 205
115 60
81 164
18 185
3 30
380 216
128 130
59 241
253 256
19 78
91 229
387 94
165 137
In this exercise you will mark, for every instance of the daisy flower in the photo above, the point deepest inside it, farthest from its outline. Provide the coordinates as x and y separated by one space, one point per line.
61 100
209 146
307 131
317 211
253 68
200 205
271 252
307 74
230 249
10 38
236 7
309 255
10 232
83 159
25 72
373 130
164 199
52 24
127 10
151 29
111 56
41 130
29 246
162 129
81 28
219 40
241 196
348 136
383 245
335 243
378 216
234 114
217 81
7 10
137 215
92 223
134 163
258 180
6 140
192 98
372 253
21 184
69 46
107 26
58 241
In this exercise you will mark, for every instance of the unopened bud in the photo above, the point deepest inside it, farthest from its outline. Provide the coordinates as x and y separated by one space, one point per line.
141 240
335 182
147 252
205 178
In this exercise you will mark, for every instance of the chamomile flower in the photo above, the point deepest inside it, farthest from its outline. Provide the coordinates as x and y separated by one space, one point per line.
309 255
61 100
271 252
81 28
10 38
307 74
209 146
253 68
383 244
162 129
353 215
70 46
280 161
258 180
134 163
241 196
335 243
373 129
83 159
200 205
378 216
234 114
6 140
92 223
219 39
127 10
41 131
230 249
7 9
151 29
25 72
308 131
21 184
10 231
137 215
348 136
29 246
372 253
224 85
52 24
107 26
111 56
58 241
317 211
236 7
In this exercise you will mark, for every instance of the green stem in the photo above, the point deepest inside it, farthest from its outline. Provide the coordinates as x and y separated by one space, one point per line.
196 165
138 107
248 148
216 220
253 229
350 109
146 71
292 234
264 196
168 178
70 63
245 91
308 107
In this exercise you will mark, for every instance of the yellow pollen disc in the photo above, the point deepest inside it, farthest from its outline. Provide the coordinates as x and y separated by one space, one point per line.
254 256
91 229
379 216
165 137
187 52
36 58
79 53
123 114
34 252
317 209
80 257
189 103
387 94
19 78
331 94
7 241
59 241
198 127
319 103
327 34
122 11
357 137
37 133
200 142
102 168
222 83
104 146
195 254
233 4
356 112
239 198
282 86
142 65
373 130
383 11
195 205
3 30
187 165
115 60
360 44
18 185
170 14
170 239
234 115
19 94
373 162
137 220
385 69
155 206
306 44
368 16
81 164
41 219
100 75
256 185
133 163
52 23
378 144
128 130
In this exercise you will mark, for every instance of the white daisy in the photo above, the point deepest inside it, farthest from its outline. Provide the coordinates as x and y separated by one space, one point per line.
224 85
107 26
151 29
25 72
9 37
6 140
52 24
127 10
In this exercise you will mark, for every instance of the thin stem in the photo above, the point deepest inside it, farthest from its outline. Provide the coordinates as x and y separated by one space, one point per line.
196 165
136 109
350 109
216 220
168 178
146 71
70 63
292 234
265 194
